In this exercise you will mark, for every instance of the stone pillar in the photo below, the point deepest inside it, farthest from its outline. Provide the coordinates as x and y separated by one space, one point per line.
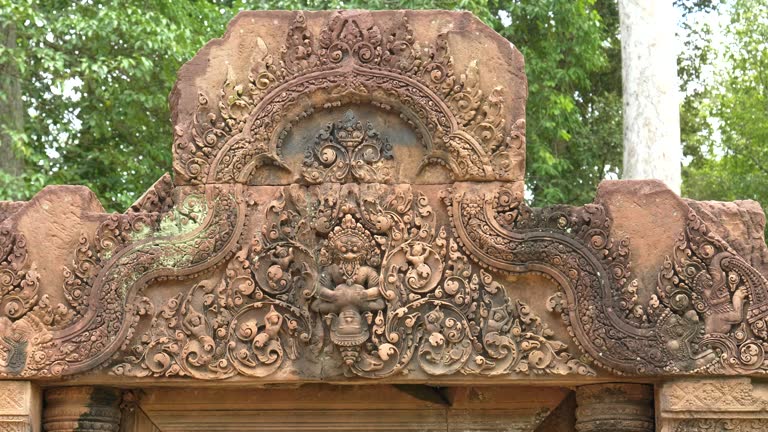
614 408
652 146
713 405
81 409
20 405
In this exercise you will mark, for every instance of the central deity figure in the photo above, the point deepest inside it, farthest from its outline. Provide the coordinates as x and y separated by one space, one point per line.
348 286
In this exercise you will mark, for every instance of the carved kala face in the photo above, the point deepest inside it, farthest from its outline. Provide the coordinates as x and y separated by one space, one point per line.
350 248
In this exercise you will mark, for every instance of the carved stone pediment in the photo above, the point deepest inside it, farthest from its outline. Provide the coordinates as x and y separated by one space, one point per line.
347 204
413 74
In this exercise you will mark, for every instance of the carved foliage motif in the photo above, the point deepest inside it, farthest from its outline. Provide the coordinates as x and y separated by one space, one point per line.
713 405
388 289
364 273
722 425
697 322
712 304
104 285
351 267
352 60
348 150
15 406
18 283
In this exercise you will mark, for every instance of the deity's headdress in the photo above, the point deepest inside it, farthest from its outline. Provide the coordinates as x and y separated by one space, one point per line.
349 228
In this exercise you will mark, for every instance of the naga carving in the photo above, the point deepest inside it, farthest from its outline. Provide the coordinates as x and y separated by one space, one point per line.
105 288
350 264
708 312
387 288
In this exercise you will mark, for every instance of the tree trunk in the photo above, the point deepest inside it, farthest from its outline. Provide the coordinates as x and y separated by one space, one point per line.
11 107
652 146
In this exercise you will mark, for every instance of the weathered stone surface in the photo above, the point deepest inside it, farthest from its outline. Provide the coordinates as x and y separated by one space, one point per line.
413 74
353 408
299 241
20 406
81 409
614 408
713 404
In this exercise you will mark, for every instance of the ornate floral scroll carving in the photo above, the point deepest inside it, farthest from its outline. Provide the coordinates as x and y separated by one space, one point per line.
389 291
112 273
351 269
219 328
713 404
712 304
19 286
353 59
348 150
18 283
721 425
697 322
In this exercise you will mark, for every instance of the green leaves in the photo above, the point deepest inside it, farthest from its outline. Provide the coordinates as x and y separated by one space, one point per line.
95 75
573 65
95 78
725 125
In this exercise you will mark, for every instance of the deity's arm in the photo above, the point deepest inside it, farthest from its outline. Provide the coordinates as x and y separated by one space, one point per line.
325 287
372 283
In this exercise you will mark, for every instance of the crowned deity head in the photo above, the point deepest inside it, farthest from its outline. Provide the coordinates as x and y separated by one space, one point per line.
350 242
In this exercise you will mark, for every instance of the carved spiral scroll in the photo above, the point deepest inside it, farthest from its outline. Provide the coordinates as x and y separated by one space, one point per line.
693 324
115 300
462 128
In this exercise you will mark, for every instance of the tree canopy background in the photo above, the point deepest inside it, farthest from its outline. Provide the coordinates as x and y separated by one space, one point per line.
83 88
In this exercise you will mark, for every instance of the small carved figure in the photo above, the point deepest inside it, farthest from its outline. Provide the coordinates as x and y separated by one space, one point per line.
420 274
272 322
726 303
278 274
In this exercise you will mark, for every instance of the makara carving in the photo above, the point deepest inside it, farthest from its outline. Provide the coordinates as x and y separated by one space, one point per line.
353 267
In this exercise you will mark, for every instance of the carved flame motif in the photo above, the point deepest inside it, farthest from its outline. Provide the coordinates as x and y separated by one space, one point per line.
348 150
352 60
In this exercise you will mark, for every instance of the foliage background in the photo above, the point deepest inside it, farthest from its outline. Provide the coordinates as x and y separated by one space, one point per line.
83 88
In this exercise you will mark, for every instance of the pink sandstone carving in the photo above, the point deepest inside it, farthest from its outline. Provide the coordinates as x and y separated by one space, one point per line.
347 202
